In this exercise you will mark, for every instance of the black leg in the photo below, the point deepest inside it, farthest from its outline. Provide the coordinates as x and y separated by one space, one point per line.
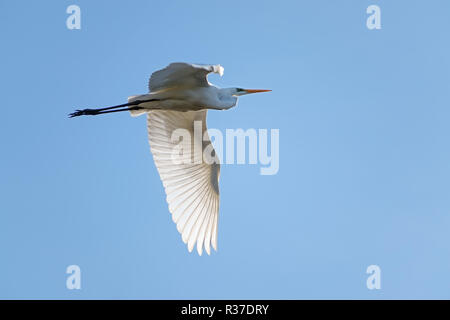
93 112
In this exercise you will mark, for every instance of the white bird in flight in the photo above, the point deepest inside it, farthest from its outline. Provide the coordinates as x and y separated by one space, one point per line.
179 95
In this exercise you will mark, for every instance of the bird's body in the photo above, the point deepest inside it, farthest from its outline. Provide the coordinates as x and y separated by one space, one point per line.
185 99
179 96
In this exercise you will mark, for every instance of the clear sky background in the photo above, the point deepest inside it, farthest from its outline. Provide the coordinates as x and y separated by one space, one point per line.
364 150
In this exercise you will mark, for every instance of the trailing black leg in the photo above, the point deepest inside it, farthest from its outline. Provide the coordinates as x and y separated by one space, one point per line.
93 112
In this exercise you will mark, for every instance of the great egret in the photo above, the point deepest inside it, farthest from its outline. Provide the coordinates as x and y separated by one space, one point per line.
179 95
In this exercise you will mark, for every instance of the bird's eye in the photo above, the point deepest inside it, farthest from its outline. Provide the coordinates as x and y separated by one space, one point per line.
239 89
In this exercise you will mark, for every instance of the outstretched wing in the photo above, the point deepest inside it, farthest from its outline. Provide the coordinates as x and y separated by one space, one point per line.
192 187
182 74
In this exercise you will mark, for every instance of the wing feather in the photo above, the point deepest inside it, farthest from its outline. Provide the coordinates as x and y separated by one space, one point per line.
191 188
180 74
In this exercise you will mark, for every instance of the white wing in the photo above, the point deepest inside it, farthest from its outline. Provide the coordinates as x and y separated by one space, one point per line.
182 74
192 189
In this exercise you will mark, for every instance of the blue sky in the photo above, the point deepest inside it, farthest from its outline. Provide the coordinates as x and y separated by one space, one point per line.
364 150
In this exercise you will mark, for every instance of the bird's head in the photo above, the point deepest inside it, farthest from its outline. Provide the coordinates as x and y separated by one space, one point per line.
240 92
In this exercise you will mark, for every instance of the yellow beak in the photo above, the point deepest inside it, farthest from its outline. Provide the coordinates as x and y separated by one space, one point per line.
256 90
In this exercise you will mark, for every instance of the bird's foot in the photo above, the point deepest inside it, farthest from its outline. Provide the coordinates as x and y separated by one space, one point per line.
83 112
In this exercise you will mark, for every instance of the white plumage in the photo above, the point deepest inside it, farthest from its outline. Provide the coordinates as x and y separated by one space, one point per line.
180 95
192 189
181 74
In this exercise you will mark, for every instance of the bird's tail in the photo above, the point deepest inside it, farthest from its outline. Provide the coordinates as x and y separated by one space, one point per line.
137 113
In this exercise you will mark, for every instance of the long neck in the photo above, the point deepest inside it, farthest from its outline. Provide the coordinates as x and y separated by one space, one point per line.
226 97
